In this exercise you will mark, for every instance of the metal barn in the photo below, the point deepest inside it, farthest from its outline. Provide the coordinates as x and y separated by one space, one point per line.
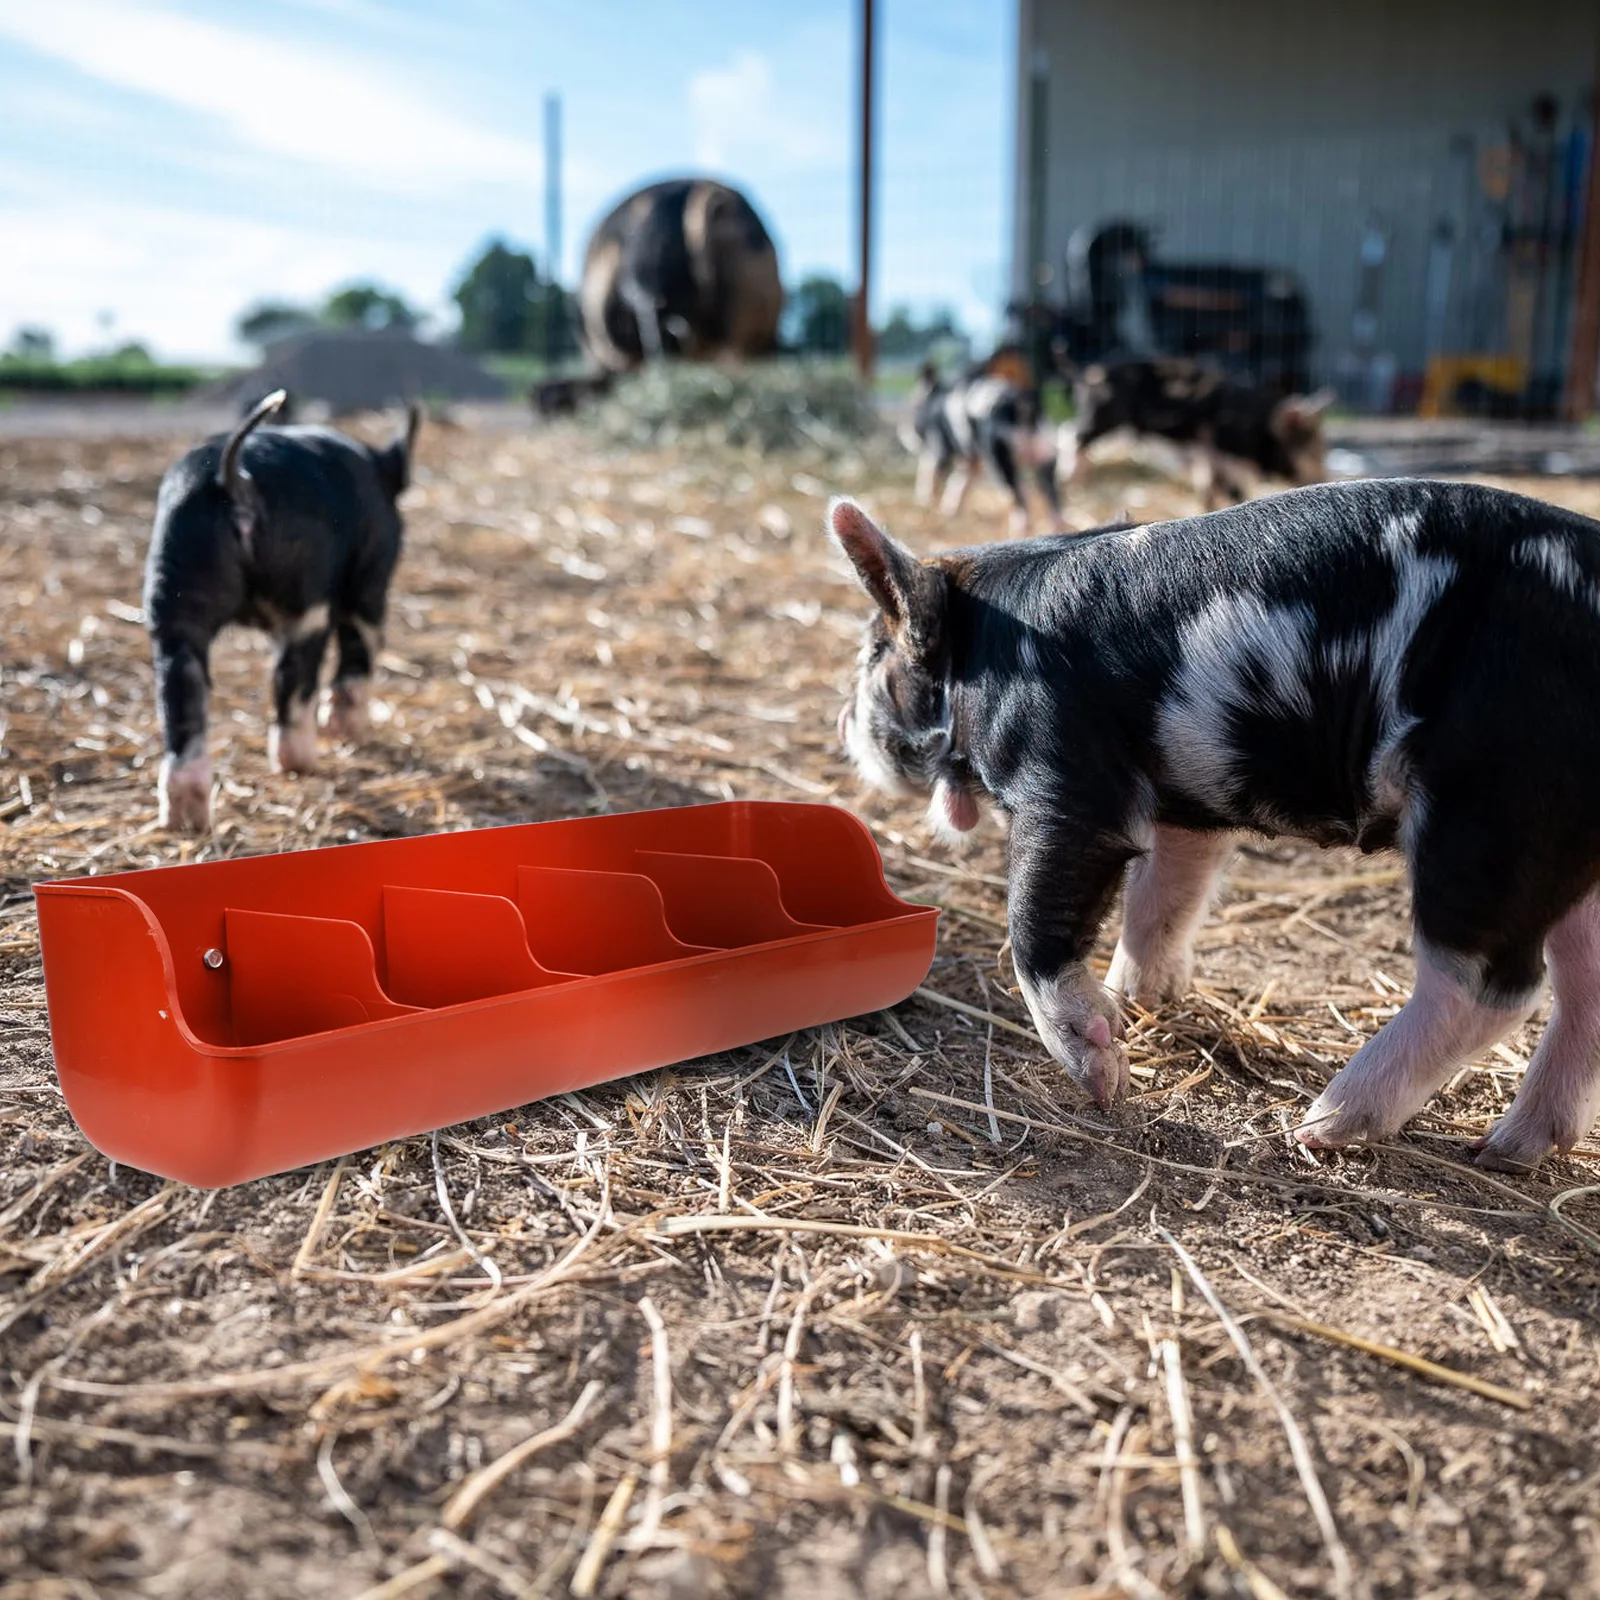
1414 171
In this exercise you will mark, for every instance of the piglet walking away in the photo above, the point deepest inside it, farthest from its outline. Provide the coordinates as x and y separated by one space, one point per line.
1405 665
293 530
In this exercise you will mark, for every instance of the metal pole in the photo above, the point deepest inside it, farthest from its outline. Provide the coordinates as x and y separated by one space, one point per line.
552 186
1583 351
862 340
552 227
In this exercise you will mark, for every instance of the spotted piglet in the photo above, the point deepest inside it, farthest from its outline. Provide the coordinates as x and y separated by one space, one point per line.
1396 665
294 530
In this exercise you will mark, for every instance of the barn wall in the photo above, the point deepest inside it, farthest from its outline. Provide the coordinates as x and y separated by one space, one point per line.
1281 133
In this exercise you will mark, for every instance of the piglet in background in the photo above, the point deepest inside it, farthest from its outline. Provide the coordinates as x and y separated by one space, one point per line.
1235 435
292 530
991 415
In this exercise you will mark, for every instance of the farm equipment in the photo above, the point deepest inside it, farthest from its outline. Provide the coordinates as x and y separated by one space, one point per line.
1253 322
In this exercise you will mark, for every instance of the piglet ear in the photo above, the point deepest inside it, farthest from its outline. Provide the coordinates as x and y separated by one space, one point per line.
884 567
907 592
1306 408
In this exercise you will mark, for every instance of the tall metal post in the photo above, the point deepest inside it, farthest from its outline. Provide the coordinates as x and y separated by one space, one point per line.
552 224
552 185
862 341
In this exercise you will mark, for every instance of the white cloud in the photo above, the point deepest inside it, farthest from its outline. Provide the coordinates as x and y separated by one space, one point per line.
177 279
740 119
274 97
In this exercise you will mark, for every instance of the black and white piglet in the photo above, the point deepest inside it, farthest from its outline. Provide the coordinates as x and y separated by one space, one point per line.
294 530
991 414
1398 664
1233 433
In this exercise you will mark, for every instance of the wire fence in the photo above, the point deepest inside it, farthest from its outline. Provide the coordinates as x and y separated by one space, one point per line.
1384 199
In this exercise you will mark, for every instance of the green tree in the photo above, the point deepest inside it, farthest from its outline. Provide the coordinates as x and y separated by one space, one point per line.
506 306
902 337
496 297
366 305
899 336
267 321
821 316
553 325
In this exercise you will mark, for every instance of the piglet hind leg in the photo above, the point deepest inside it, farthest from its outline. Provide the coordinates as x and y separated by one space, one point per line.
1045 477
1003 458
1062 880
183 792
292 739
183 795
1446 1023
358 641
955 488
1560 1096
1165 899
1485 895
347 709
1072 457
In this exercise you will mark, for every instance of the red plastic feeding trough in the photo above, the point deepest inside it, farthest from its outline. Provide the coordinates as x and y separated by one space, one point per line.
217 1022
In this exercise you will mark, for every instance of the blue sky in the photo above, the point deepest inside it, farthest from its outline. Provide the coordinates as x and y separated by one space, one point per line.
164 162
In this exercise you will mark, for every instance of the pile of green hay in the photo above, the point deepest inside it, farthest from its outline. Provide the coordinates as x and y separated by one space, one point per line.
776 405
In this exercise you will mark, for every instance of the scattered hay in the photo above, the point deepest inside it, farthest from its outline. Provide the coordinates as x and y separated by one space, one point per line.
878 1309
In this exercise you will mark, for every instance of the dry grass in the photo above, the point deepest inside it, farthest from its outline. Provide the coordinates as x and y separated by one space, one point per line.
876 1310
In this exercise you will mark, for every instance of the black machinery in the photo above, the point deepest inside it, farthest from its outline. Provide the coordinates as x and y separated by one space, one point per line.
1122 301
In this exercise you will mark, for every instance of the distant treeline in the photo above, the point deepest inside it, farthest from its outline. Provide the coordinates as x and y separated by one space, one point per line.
130 370
510 313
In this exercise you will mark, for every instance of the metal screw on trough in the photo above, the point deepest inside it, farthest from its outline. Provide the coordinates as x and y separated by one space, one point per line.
213 959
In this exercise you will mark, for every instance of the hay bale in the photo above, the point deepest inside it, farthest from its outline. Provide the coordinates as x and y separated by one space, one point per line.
774 406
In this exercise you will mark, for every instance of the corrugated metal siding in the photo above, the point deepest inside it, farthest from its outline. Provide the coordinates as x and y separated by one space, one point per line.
1277 133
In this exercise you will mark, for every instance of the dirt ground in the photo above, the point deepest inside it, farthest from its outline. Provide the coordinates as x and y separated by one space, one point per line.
802 1320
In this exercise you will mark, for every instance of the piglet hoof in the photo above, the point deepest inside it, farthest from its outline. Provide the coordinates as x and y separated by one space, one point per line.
347 710
1081 1025
294 748
1018 523
1345 1114
1516 1163
1155 982
1517 1145
184 795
